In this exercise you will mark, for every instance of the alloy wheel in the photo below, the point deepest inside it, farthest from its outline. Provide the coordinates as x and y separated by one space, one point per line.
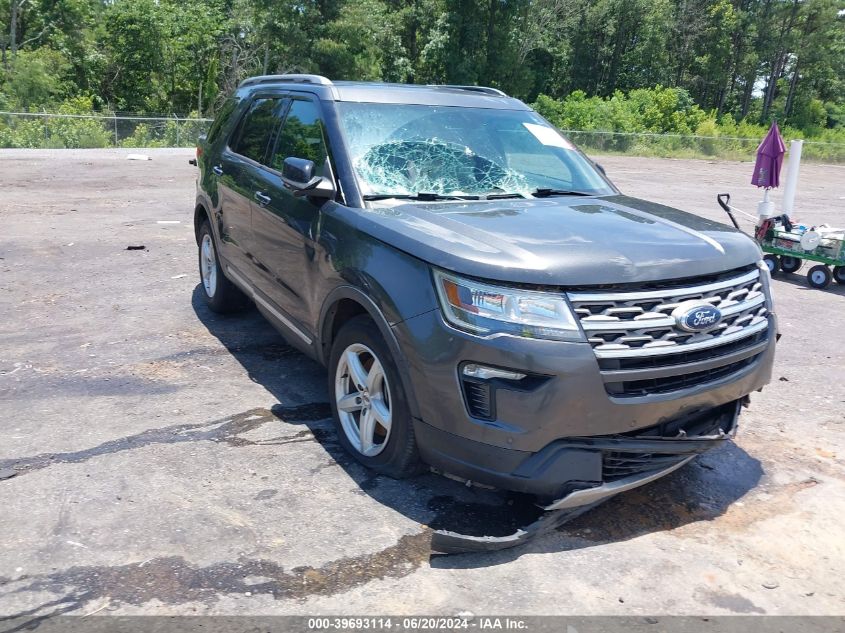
208 265
362 394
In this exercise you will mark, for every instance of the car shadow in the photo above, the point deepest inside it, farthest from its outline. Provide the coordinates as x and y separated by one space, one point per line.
799 280
700 491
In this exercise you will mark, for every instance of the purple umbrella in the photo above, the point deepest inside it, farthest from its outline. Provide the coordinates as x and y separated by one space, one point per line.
769 159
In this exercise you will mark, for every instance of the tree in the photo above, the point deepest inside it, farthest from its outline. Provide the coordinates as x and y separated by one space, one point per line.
39 77
363 42
135 49
741 59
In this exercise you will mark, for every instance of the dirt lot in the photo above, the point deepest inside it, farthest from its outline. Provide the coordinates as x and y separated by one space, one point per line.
170 461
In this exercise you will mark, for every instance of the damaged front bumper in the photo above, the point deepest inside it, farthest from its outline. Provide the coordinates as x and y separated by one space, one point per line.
592 496
627 462
556 514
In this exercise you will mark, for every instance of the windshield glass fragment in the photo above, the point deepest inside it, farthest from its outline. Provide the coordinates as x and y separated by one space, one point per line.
406 150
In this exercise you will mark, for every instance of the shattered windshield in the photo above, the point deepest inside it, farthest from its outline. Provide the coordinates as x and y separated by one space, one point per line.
407 150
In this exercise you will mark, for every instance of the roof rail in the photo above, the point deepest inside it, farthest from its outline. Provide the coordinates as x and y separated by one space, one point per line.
292 78
483 89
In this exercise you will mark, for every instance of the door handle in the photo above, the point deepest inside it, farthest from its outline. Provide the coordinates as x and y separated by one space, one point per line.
262 199
217 169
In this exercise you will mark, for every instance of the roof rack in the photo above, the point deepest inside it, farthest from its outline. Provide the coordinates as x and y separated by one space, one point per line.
324 81
292 78
482 89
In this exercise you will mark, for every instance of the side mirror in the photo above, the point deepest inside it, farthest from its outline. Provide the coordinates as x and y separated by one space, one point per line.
600 168
298 176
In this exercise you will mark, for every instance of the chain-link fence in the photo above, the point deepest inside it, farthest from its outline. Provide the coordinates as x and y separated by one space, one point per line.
44 130
692 146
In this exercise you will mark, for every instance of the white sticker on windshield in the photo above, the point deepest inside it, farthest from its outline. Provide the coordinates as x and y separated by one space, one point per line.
547 136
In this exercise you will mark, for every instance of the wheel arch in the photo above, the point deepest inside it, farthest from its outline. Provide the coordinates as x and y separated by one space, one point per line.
346 302
201 215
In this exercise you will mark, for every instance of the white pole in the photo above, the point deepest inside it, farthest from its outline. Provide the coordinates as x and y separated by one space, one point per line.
766 208
792 175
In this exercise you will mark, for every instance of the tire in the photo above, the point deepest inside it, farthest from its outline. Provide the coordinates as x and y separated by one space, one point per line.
790 264
839 274
389 449
819 276
771 262
220 294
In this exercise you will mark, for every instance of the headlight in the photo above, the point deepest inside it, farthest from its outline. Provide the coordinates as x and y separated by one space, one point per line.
485 310
766 282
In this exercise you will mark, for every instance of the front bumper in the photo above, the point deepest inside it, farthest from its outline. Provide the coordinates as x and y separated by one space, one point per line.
582 470
555 515
661 456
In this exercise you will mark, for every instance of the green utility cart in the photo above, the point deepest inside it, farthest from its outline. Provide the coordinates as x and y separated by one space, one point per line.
786 250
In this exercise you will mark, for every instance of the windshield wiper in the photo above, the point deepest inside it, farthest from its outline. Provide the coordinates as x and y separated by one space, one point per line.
422 196
388 196
545 193
501 196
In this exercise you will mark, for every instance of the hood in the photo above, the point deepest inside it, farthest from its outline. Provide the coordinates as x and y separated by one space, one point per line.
565 240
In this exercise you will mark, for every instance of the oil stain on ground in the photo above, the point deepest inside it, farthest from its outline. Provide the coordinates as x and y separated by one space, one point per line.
226 430
172 580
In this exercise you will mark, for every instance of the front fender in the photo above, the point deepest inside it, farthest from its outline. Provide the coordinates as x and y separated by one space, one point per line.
326 317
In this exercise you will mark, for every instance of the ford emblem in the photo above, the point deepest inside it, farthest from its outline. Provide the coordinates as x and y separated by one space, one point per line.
695 316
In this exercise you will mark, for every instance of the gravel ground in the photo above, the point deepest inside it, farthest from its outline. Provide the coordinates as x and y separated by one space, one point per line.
171 461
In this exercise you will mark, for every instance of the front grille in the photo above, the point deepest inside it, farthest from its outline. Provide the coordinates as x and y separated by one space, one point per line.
618 464
682 357
635 331
673 383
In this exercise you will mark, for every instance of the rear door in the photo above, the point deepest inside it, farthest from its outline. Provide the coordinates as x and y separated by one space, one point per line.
236 176
285 227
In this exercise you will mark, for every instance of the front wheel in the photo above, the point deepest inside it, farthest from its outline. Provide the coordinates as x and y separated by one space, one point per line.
368 401
819 276
790 264
839 274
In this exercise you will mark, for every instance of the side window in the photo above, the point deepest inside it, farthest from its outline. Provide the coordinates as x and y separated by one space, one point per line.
301 136
220 119
256 128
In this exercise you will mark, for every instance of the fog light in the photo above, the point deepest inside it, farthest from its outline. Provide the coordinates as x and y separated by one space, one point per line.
488 373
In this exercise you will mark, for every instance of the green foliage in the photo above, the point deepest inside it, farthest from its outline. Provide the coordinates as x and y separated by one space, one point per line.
658 110
135 44
363 43
665 122
56 133
645 66
36 77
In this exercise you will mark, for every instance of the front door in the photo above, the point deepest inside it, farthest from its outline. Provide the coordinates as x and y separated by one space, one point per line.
283 226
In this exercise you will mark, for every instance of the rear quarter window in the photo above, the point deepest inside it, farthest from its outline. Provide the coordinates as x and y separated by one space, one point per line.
221 119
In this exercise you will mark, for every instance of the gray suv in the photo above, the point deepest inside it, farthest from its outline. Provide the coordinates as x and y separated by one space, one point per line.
486 301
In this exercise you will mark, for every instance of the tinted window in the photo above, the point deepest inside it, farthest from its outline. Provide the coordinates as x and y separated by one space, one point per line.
256 128
221 118
301 136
